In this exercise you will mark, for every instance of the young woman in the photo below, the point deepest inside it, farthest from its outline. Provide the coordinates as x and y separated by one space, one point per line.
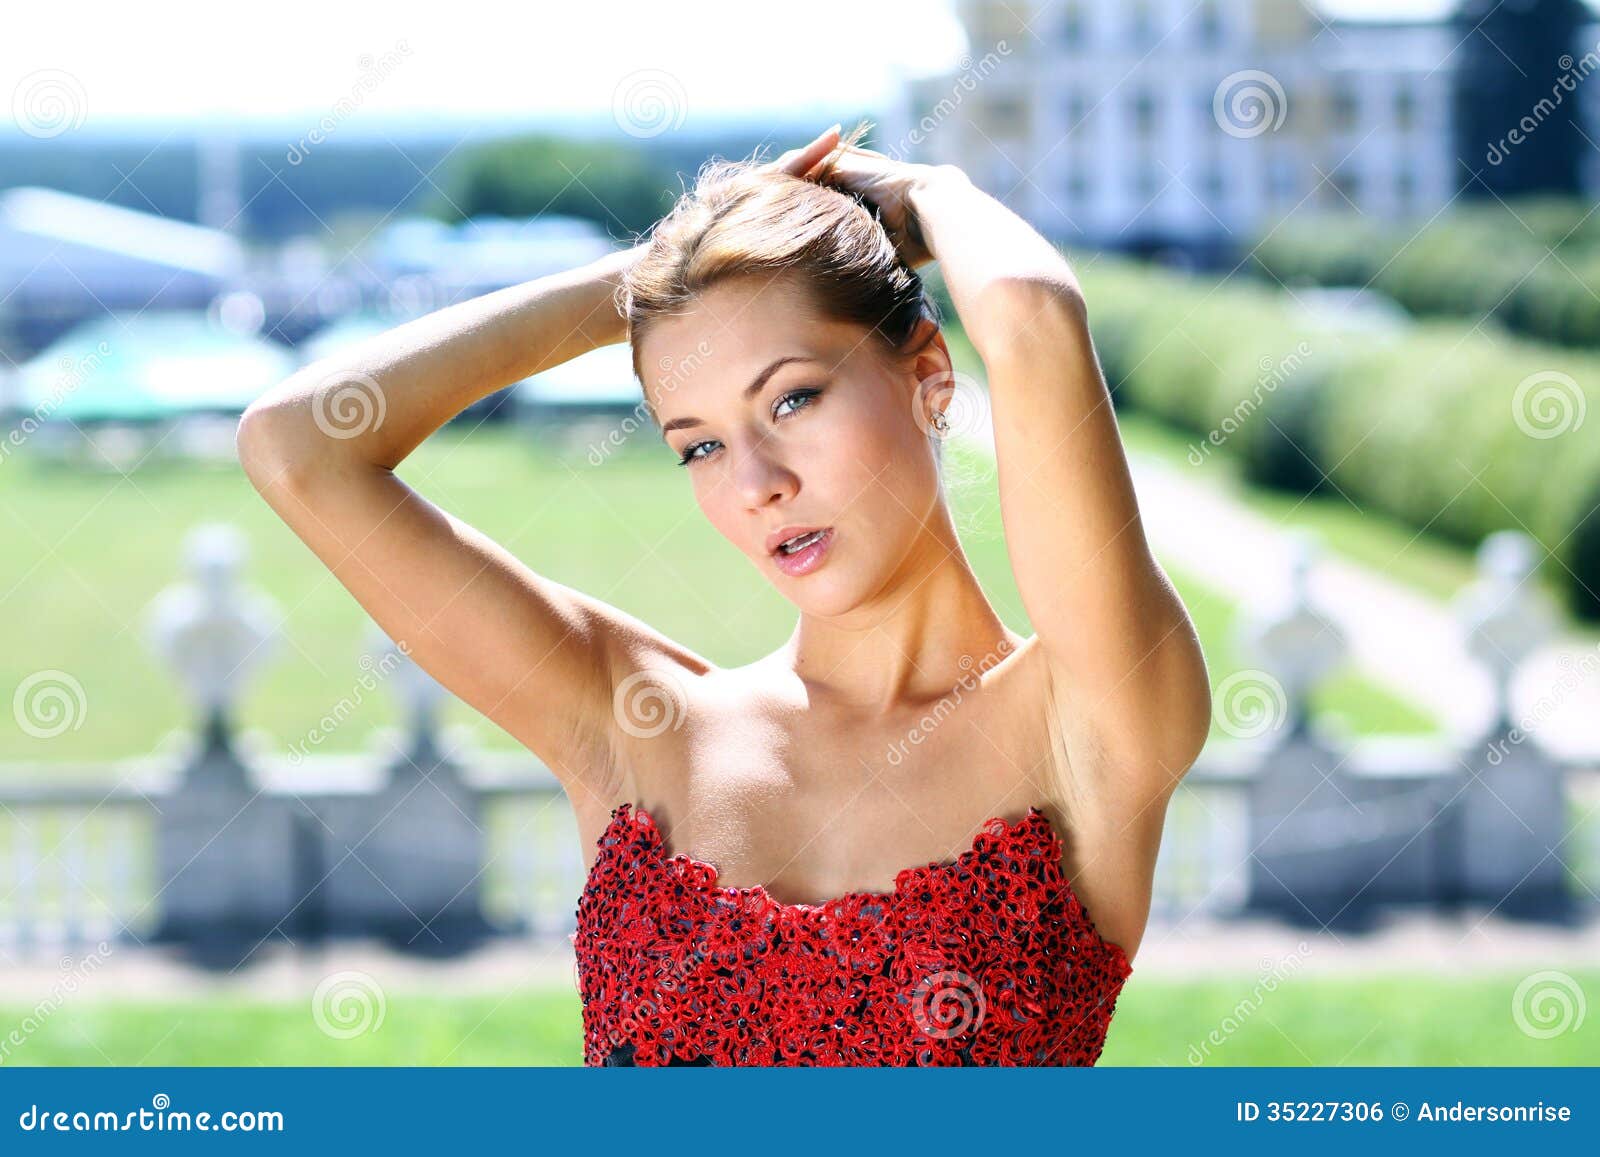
881 843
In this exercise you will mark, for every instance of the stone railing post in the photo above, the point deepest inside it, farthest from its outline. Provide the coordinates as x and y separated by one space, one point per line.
224 876
1510 819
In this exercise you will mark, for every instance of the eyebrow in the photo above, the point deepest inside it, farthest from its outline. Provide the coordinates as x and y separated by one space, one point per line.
750 391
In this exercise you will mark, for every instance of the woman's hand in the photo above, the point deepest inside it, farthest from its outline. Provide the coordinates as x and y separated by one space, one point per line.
800 162
888 184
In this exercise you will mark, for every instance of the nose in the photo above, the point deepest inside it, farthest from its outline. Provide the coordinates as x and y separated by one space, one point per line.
762 477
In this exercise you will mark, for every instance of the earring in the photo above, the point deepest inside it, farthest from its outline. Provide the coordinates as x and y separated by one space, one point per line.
940 422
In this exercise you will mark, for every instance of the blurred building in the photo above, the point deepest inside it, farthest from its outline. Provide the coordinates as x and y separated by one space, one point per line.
483 254
1141 124
150 365
415 265
597 383
65 259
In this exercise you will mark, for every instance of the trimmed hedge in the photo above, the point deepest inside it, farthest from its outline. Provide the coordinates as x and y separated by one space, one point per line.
1456 431
1534 267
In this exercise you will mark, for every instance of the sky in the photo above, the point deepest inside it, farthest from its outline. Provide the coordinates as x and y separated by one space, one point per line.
472 57
295 61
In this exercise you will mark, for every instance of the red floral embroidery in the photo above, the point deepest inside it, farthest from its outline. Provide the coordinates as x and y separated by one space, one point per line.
987 959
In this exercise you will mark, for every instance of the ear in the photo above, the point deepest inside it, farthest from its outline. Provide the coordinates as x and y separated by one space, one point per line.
931 364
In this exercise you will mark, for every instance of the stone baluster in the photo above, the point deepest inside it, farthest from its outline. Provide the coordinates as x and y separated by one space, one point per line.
1509 821
224 878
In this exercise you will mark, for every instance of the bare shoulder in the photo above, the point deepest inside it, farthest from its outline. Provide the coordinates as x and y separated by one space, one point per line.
653 680
654 685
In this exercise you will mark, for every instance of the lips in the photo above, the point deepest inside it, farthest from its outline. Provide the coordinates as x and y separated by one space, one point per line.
783 534
813 554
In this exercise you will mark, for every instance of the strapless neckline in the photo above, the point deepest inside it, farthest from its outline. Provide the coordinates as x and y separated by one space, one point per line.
993 832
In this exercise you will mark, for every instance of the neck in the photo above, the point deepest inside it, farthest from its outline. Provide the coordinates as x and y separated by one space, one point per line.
927 629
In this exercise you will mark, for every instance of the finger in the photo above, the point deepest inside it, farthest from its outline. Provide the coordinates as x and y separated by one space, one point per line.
802 161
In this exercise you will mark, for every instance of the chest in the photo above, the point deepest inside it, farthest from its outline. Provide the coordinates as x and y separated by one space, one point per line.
812 803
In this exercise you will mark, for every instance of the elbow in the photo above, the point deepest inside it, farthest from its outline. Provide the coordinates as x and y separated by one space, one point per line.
1050 296
271 442
1028 311
251 444
1197 729
1190 713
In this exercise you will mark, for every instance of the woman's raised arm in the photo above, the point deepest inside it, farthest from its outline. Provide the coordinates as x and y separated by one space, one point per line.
538 658
1122 651
1123 655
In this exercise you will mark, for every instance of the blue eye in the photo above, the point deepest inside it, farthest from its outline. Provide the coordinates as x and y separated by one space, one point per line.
802 398
689 454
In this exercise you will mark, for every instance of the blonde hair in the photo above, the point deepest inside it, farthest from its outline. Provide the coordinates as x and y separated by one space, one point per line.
739 219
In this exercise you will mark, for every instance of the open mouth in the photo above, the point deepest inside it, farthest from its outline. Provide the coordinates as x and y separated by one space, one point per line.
803 553
800 541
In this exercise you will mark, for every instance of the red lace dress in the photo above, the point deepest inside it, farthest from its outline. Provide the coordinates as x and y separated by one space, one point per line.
988 959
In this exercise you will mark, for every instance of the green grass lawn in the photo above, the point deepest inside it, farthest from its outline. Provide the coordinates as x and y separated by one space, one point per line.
87 552
1395 1020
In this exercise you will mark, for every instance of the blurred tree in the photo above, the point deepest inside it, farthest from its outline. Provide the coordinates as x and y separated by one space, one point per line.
1516 63
621 186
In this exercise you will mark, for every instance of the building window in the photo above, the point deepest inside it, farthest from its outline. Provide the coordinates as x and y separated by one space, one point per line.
1144 180
1145 110
1405 108
1008 118
1405 190
1346 109
1281 181
1142 25
998 21
1346 186
1072 25
1078 186
1077 112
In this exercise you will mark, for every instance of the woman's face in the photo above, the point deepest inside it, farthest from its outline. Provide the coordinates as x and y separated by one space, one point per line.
786 420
